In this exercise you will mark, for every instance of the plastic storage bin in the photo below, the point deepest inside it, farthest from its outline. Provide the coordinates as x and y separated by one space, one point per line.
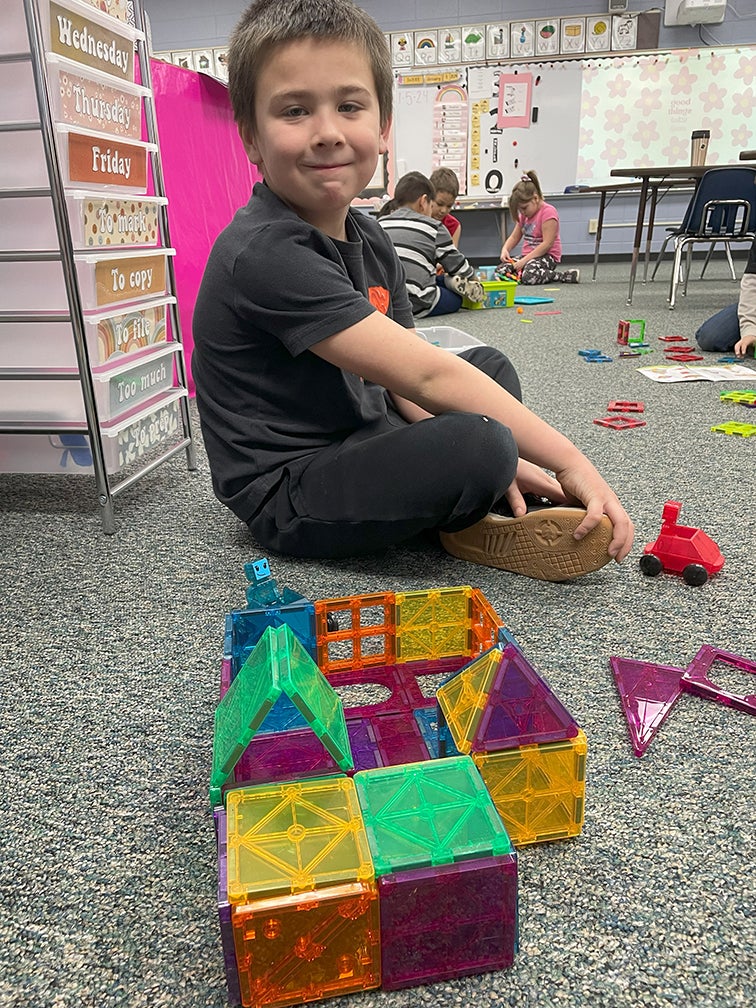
104 281
96 221
117 390
18 100
13 37
449 338
124 441
95 160
109 336
499 294
486 272
81 33
22 160
84 97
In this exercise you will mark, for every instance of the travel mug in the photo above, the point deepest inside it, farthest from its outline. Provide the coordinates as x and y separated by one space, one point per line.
699 144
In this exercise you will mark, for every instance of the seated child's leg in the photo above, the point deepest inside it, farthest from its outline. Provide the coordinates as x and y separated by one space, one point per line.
497 366
383 487
386 485
448 302
538 271
720 332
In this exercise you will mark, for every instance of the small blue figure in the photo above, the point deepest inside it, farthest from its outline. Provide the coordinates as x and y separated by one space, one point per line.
263 589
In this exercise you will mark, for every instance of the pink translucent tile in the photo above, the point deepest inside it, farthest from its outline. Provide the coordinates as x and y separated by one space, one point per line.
520 708
648 693
399 739
283 756
696 679
448 921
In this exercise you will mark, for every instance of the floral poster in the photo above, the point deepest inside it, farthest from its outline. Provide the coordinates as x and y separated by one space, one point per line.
640 110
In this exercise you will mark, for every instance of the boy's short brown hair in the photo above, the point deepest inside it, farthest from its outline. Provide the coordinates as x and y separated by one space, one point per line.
267 24
445 180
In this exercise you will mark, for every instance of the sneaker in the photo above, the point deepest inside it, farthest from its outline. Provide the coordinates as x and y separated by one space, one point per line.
570 276
467 287
538 544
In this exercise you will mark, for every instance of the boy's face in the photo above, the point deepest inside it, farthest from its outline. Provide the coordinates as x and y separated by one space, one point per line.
317 133
442 204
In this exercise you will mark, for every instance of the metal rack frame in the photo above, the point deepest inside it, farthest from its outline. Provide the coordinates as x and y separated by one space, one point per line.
107 489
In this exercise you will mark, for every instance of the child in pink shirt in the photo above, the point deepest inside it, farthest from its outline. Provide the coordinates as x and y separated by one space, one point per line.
536 222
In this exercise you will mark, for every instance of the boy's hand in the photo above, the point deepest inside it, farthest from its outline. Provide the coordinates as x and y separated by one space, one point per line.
531 479
585 486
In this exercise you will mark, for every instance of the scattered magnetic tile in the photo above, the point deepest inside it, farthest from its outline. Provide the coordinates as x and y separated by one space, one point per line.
620 422
739 429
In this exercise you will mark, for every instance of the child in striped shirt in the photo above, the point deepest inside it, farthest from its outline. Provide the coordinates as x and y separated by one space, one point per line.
423 244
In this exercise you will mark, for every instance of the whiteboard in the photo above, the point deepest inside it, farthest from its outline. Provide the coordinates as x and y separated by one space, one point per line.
549 145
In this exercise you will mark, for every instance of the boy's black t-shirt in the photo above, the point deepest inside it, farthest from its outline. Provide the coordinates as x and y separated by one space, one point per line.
274 286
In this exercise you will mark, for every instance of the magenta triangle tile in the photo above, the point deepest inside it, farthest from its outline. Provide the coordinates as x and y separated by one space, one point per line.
696 678
520 708
648 693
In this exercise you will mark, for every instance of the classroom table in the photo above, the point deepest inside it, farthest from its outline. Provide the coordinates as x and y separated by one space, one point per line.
607 194
653 179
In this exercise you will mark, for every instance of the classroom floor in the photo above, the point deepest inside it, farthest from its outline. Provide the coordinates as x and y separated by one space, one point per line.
110 658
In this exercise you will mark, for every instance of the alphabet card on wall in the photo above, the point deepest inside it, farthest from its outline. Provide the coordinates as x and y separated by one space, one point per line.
497 42
426 48
522 39
449 45
474 43
598 35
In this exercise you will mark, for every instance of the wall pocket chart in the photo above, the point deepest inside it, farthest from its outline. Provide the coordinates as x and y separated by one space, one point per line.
574 120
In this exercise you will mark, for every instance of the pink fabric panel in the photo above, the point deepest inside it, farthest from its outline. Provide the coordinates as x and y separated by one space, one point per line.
207 175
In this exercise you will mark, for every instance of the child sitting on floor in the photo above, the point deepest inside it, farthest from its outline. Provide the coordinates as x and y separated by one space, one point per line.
536 222
733 329
446 185
331 428
438 275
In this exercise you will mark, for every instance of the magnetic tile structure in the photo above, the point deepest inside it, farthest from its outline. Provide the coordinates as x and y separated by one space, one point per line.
376 761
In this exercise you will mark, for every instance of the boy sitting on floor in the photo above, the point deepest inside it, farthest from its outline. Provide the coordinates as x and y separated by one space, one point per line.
330 427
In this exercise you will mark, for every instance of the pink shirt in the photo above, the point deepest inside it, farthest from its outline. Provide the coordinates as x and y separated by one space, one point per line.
532 230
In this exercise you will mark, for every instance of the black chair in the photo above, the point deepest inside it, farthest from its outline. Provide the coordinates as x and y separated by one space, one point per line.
722 209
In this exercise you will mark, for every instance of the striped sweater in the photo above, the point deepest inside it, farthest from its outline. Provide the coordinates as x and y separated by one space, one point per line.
422 244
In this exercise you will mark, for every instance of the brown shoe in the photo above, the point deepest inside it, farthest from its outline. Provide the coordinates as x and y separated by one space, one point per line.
539 544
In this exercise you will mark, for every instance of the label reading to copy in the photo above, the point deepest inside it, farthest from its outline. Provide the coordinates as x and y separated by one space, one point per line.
129 279
91 44
105 161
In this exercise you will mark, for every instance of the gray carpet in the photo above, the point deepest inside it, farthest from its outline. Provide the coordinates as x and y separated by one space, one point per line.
110 657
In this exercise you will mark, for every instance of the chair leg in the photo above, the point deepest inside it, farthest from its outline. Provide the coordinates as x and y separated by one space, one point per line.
709 254
674 278
660 256
729 260
688 265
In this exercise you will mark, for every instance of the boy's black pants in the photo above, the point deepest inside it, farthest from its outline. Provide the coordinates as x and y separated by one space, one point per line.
381 487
